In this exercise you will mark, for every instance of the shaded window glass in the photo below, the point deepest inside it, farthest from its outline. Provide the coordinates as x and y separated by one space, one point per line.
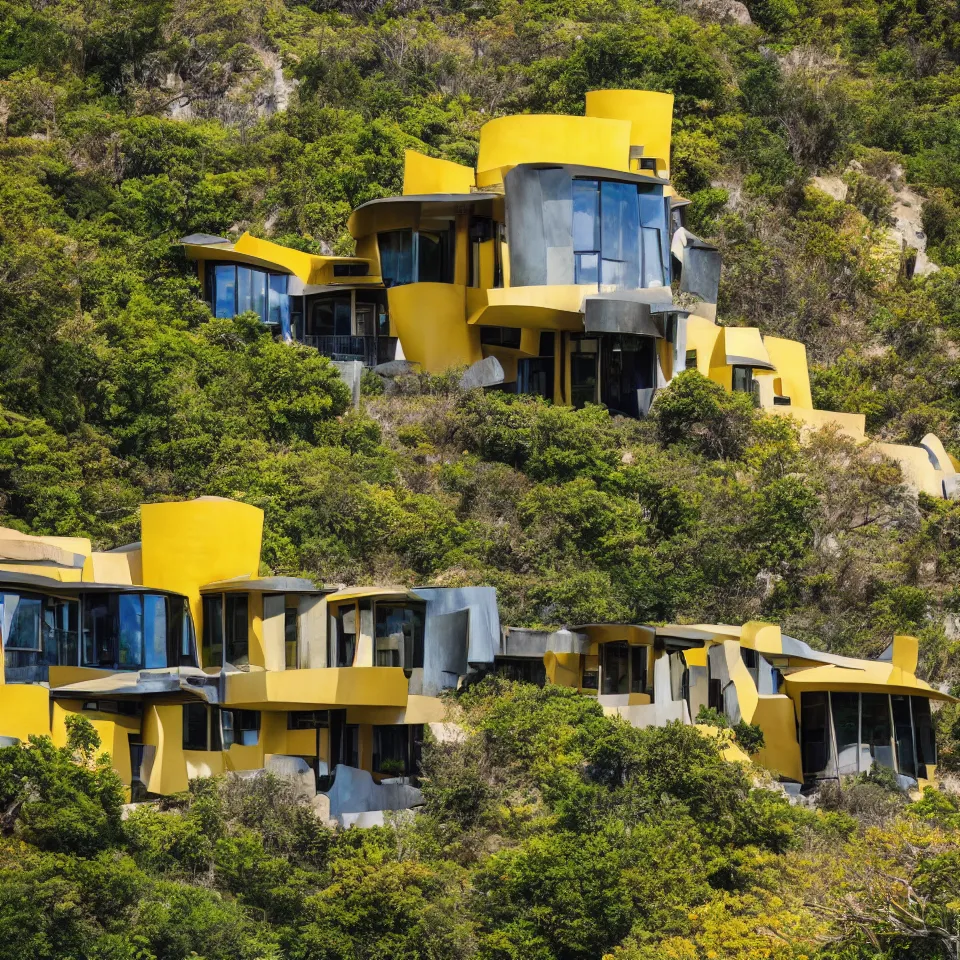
583 379
619 234
743 379
638 669
587 268
652 210
155 631
615 675
131 630
653 274
923 732
586 216
278 311
241 727
61 622
815 735
535 377
308 719
396 257
346 635
235 623
291 634
21 622
903 734
244 292
846 725
195 724
258 293
212 636
399 635
100 630
225 290
329 316
187 636
628 367
395 750
875 733
433 257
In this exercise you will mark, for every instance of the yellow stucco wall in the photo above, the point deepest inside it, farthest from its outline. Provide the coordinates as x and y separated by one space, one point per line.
790 359
430 320
195 542
423 174
549 138
650 116
24 710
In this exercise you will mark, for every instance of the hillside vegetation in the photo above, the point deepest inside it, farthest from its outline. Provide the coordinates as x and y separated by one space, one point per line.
124 126
550 832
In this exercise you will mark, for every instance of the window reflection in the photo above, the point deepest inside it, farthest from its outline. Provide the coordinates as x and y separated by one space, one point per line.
845 733
416 256
618 234
234 289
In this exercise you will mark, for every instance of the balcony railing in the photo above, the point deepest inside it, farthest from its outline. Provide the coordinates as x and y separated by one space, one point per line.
368 350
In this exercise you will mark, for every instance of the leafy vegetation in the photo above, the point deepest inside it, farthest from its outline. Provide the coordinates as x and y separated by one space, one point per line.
548 831
551 832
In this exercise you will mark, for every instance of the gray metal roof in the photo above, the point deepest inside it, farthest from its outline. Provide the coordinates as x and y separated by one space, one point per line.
203 239
30 581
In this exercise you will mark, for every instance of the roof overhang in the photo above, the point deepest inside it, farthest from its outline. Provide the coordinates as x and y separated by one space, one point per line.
744 348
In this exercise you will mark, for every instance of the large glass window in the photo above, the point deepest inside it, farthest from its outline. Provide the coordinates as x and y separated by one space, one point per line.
235 623
396 257
535 377
903 734
131 631
330 316
743 379
433 257
399 635
628 366
183 639
235 289
291 634
846 726
615 667
60 625
416 256
875 732
815 736
21 622
396 749
241 727
618 234
100 627
196 727
923 733
244 296
345 624
225 290
638 669
155 632
212 637
586 231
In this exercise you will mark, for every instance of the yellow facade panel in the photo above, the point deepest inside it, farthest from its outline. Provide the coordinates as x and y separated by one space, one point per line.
423 175
649 114
430 319
530 138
